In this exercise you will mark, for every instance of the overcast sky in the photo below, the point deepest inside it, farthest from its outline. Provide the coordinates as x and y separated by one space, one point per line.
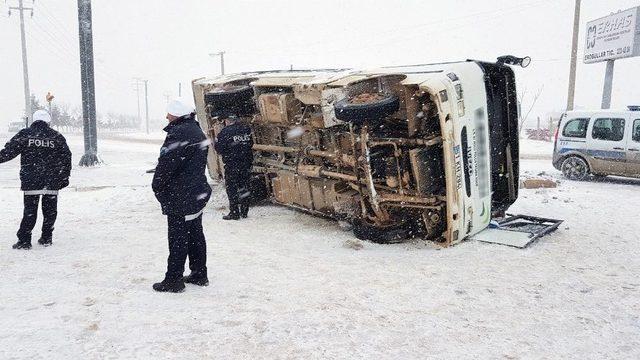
168 42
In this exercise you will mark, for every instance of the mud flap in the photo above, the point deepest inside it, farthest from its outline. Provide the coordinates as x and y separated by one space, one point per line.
517 230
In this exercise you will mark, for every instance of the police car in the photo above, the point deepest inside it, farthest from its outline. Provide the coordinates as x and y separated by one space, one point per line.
599 143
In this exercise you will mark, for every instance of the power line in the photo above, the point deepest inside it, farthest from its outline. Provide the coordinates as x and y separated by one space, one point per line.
56 42
54 29
62 24
54 52
67 40
62 41
106 81
64 59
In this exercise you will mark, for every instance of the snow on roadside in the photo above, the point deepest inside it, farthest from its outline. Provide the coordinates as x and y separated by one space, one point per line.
284 286
155 135
535 149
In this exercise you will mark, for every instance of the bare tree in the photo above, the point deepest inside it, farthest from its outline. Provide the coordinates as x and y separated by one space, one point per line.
524 114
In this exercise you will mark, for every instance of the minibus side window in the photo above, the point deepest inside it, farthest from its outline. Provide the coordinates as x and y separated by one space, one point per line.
636 130
609 129
576 128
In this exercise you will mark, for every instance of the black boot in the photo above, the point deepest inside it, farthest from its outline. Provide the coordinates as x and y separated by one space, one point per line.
231 216
244 210
234 213
167 285
22 245
45 241
199 279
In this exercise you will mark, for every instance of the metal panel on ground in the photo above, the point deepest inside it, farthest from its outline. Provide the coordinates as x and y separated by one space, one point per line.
518 231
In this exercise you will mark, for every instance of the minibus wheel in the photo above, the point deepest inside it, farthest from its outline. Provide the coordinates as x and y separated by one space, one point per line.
230 100
381 235
575 168
258 189
229 95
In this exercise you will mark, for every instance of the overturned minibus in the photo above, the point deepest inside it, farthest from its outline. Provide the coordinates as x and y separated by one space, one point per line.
425 150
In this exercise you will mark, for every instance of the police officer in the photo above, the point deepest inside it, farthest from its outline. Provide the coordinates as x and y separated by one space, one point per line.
181 187
234 144
45 166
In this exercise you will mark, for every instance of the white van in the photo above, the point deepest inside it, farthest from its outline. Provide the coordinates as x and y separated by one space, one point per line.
601 142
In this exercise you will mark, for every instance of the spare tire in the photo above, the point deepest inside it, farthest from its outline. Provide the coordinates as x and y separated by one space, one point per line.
230 100
372 111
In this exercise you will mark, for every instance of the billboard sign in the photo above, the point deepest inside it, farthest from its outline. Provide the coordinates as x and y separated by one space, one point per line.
613 37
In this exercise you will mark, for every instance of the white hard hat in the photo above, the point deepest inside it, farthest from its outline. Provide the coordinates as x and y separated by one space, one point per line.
42 115
180 107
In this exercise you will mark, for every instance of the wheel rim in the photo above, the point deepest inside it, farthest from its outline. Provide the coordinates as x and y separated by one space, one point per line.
575 168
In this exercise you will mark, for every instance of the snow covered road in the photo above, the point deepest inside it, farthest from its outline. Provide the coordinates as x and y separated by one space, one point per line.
283 285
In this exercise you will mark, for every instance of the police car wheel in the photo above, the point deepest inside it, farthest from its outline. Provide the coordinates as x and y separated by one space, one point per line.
575 168
372 111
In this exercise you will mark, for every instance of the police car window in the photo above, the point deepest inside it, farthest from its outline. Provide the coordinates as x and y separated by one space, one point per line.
576 128
609 129
636 130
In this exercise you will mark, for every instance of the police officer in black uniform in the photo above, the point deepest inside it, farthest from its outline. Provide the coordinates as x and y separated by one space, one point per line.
181 187
234 144
45 166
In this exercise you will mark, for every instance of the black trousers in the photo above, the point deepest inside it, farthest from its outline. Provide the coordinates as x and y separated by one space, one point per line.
30 215
236 181
186 239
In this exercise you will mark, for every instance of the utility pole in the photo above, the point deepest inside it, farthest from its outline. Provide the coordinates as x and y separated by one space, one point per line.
608 85
146 100
90 157
179 89
25 67
221 54
574 55
167 95
146 103
137 90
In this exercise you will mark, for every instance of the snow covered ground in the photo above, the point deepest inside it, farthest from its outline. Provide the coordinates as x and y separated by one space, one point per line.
283 285
535 149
